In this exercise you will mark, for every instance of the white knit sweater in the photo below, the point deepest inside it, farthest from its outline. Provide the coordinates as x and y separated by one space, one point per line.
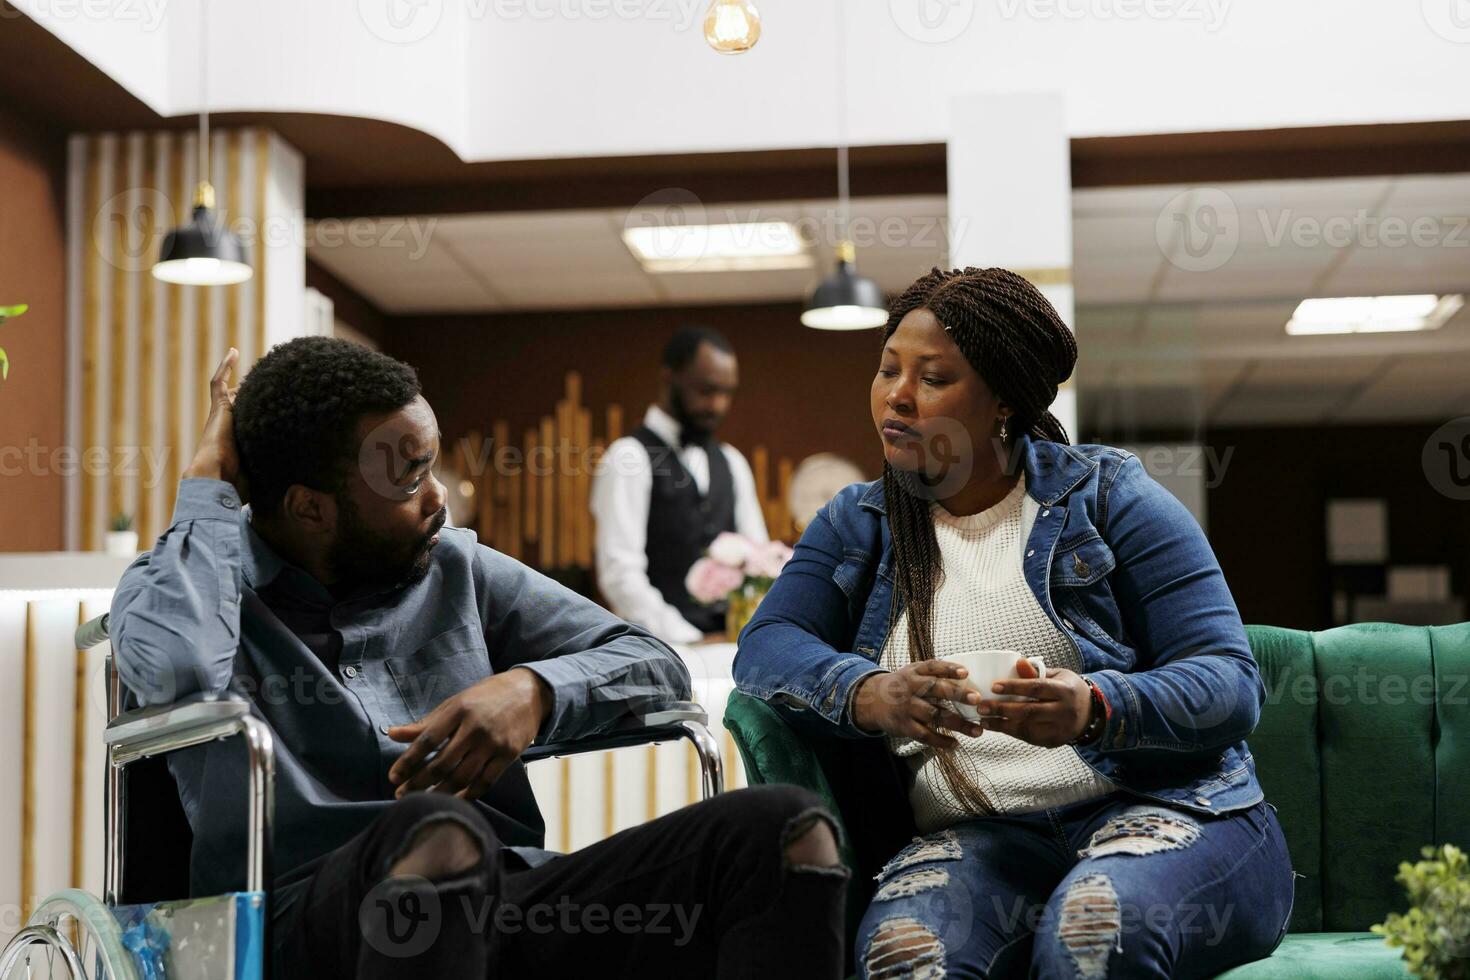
984 603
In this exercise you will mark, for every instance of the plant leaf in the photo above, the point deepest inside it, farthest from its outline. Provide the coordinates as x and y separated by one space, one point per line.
4 365
6 312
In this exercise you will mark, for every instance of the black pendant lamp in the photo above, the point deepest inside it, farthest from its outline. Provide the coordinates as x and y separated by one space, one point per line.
203 252
844 300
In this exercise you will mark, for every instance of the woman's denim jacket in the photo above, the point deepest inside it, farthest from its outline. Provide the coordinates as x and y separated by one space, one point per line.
1119 566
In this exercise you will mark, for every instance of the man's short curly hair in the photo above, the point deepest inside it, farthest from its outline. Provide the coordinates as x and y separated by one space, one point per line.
297 411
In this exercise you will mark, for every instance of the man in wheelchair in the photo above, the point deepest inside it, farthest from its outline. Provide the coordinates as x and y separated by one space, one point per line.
403 669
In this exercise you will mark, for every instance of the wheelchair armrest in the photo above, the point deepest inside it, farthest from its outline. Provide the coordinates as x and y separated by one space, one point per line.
659 723
655 724
187 722
180 718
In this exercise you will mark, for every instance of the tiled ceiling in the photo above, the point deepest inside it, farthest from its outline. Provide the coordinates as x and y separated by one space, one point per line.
1182 293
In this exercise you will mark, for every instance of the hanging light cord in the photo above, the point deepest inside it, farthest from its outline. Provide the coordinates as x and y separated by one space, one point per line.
204 100
843 186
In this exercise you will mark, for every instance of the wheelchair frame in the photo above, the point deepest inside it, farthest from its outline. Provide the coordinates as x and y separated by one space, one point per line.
131 736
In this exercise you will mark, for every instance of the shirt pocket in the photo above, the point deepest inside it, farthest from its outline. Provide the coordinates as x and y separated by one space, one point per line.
1082 561
440 669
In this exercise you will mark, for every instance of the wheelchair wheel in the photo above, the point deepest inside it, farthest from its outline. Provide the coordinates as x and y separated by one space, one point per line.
71 934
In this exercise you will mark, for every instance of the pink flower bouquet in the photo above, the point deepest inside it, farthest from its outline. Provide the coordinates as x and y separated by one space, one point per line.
734 563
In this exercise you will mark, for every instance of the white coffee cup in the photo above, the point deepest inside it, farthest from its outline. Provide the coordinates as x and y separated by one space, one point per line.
985 668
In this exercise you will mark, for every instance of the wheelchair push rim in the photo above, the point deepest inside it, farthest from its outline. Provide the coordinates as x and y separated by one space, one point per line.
67 913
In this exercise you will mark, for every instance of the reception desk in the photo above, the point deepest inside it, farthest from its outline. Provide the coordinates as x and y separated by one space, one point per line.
53 708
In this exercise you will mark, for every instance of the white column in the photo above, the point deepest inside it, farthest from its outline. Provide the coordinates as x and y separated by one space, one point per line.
1010 197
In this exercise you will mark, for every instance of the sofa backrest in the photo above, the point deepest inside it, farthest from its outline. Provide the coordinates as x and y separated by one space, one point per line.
1364 749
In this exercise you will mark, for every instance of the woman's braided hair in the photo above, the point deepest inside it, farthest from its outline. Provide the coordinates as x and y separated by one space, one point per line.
1013 337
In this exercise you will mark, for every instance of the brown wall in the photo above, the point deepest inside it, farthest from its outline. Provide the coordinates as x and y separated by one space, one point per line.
32 271
1268 516
802 391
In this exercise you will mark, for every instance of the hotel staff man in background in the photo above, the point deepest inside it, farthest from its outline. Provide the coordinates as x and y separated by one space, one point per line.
663 493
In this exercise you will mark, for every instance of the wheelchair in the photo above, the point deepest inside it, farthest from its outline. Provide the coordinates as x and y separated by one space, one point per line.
132 932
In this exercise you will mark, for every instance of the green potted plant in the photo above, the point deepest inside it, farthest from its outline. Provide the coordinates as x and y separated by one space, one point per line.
122 539
1435 932
8 313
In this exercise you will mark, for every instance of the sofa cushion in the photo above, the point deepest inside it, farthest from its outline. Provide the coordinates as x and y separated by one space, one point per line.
1377 719
1326 956
1284 745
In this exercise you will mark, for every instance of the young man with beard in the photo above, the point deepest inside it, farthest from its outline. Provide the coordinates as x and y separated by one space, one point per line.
663 493
403 669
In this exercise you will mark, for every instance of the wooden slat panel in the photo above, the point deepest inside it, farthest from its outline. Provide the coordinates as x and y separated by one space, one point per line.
175 345
614 423
118 330
546 486
91 332
532 497
564 553
234 295
79 765
147 377
583 490
28 767
262 210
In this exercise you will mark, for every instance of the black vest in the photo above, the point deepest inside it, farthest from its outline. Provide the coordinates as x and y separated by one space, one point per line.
681 524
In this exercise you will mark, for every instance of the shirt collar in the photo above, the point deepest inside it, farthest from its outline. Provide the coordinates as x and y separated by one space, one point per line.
261 564
663 425
1051 470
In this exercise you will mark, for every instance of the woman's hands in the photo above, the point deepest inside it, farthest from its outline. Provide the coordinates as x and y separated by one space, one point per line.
910 702
1061 711
217 457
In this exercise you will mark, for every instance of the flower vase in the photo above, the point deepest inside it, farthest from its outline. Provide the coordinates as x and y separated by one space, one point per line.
743 602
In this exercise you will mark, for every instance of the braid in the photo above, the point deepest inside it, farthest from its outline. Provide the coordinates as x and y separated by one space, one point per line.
1018 344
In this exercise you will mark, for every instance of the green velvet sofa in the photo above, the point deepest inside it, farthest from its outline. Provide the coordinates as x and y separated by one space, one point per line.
1363 747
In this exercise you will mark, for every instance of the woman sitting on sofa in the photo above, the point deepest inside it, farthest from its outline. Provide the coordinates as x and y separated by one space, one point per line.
1111 823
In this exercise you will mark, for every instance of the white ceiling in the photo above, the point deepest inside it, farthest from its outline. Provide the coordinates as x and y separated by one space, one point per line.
1170 338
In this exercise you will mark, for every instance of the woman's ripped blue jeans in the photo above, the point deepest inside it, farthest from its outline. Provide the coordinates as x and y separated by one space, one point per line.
1114 887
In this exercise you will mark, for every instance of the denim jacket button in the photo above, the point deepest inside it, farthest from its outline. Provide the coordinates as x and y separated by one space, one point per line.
1068 623
1031 552
1201 801
349 671
1046 513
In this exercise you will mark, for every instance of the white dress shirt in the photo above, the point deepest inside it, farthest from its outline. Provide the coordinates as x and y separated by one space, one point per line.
621 490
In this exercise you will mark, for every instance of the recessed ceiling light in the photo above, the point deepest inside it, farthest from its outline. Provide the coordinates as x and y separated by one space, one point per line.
747 247
1373 314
